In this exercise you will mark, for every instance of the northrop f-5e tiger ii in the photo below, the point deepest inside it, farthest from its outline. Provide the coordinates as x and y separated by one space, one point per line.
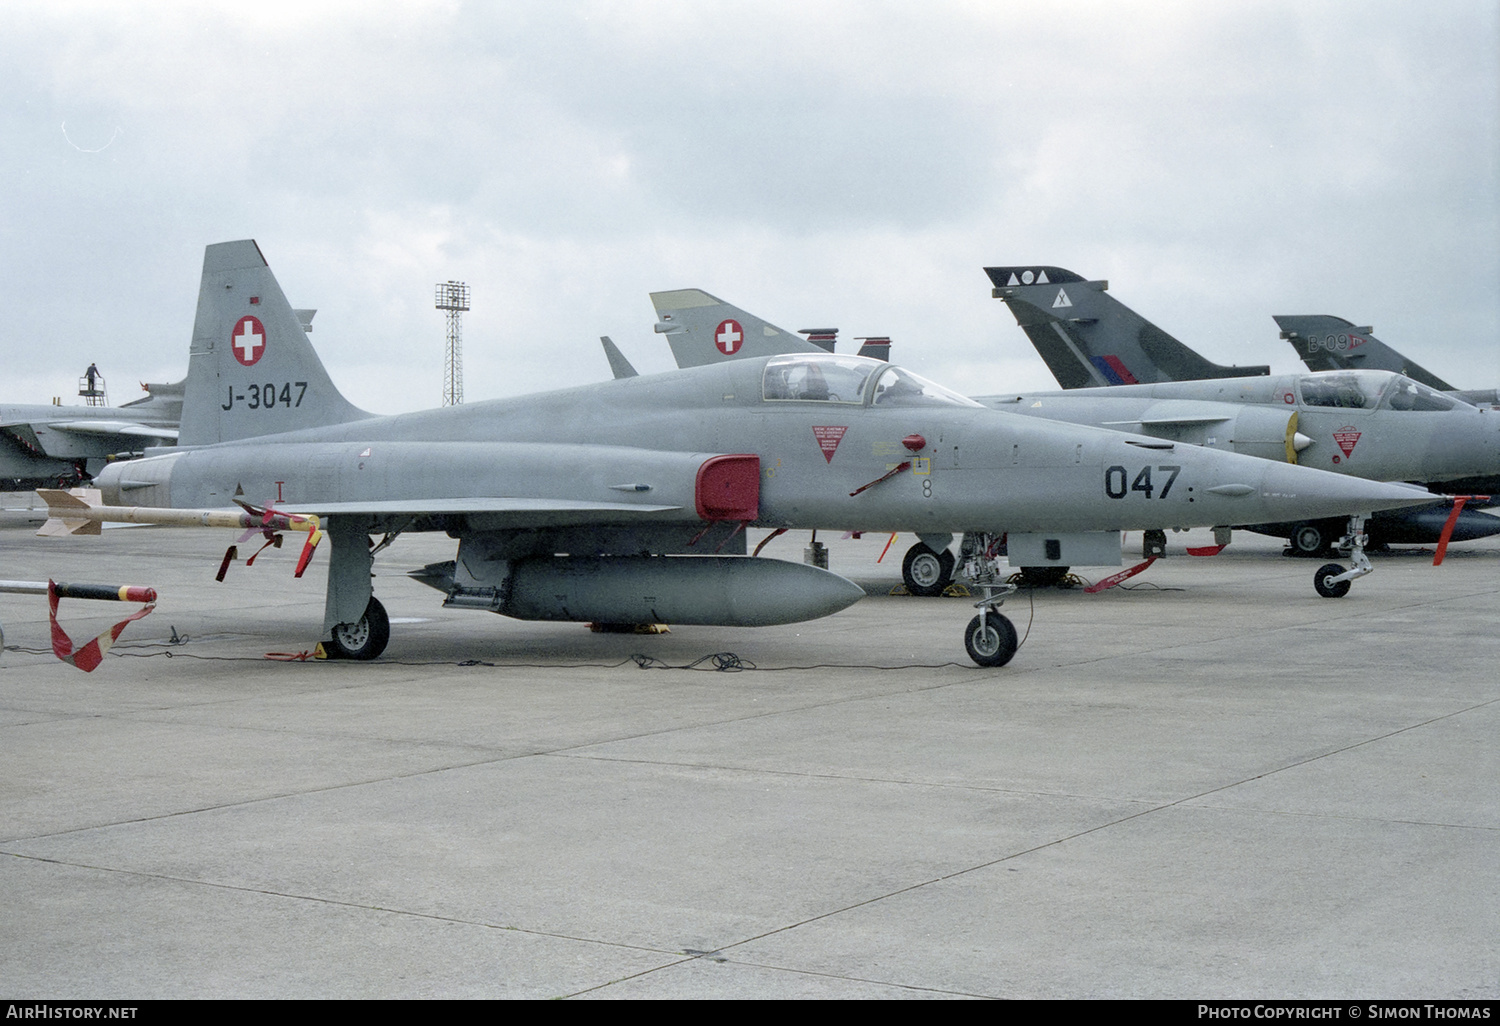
627 501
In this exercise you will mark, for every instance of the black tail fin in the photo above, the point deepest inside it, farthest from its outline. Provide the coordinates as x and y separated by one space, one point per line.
1332 343
251 369
1088 338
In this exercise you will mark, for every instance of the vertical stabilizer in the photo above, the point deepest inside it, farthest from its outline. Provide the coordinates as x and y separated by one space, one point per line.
251 369
703 329
1087 338
618 365
1324 342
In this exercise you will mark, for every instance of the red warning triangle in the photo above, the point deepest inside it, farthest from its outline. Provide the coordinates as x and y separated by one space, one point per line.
828 439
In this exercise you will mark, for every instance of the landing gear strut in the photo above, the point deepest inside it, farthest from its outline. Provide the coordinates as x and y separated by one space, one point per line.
1332 580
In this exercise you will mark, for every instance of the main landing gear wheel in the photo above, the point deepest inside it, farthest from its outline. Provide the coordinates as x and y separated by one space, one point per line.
1310 539
1327 590
365 639
992 642
926 572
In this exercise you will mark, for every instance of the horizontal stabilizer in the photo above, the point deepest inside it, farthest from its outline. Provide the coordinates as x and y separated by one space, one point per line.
114 427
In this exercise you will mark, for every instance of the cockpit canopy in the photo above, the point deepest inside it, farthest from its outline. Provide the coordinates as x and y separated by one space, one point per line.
1369 389
855 380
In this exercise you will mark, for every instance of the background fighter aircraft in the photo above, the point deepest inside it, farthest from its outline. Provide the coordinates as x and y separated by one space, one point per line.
45 445
1371 423
1088 339
605 502
1252 415
1332 343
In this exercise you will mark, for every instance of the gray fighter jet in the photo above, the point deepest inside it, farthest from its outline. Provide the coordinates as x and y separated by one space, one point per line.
1326 343
626 501
1248 415
68 444
1371 423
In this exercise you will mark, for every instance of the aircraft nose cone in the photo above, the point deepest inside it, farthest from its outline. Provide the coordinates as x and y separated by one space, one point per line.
1301 492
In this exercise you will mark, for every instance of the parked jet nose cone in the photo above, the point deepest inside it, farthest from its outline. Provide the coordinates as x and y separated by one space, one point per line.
1296 493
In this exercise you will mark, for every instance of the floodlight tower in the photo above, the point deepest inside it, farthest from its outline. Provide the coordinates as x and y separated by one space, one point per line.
453 296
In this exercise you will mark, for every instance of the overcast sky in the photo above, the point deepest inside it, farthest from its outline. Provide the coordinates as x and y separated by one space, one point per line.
852 164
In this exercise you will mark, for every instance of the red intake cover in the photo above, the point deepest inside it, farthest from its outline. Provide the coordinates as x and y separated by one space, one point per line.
728 488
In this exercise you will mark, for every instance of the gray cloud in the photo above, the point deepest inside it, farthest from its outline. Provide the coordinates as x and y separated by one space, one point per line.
847 162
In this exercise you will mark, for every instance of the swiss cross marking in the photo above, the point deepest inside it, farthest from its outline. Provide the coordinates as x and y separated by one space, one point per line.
248 340
729 336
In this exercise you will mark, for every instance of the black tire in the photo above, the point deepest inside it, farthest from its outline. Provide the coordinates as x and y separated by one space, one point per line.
925 572
365 639
1325 589
1043 576
993 646
1310 539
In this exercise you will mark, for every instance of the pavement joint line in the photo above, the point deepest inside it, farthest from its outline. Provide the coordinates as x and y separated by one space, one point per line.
699 956
678 957
982 789
246 802
417 773
1097 828
579 752
761 771
812 919
1288 814
360 906
1241 635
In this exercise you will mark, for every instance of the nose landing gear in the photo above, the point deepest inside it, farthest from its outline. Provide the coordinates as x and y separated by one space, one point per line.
990 638
1332 580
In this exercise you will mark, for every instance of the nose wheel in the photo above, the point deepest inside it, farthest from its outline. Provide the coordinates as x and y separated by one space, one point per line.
1332 580
991 638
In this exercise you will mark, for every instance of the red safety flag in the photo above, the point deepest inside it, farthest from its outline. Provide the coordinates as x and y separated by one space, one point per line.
1123 575
88 656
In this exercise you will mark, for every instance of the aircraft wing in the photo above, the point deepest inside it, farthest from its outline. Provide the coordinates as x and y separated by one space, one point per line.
1176 413
542 510
1168 420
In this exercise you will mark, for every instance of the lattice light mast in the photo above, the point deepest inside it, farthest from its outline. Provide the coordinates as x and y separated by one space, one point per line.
453 297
